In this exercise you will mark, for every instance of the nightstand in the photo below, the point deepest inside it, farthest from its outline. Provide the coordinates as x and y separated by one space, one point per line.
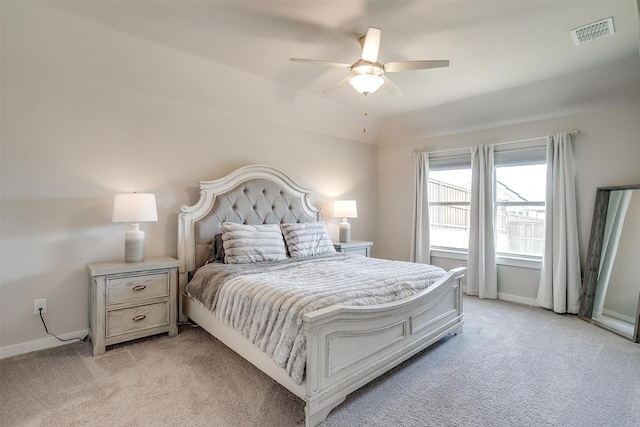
132 300
354 247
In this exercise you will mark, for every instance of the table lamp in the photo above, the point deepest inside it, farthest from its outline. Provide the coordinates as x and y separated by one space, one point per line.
345 209
134 208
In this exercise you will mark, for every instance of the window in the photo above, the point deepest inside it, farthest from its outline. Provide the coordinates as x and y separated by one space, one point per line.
520 176
449 208
519 209
450 201
520 180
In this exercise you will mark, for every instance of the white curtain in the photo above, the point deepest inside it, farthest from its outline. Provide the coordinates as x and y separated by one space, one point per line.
616 212
481 266
560 277
420 222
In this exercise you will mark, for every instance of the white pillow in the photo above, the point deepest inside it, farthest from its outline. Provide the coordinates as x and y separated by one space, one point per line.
252 243
307 239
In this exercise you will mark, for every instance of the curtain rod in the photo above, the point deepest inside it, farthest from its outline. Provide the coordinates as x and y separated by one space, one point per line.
413 153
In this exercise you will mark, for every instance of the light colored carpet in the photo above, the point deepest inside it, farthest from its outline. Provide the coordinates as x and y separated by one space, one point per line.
513 366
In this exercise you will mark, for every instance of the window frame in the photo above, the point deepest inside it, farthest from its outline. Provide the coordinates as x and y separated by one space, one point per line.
531 156
461 160
510 154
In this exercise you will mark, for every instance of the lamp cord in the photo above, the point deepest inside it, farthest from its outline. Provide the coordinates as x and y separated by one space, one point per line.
60 339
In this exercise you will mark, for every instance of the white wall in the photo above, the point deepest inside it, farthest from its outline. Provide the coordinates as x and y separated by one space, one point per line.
607 152
88 112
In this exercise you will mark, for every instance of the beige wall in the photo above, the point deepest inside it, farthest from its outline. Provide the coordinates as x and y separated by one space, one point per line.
607 152
88 113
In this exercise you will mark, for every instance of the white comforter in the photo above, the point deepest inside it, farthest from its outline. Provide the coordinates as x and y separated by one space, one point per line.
266 301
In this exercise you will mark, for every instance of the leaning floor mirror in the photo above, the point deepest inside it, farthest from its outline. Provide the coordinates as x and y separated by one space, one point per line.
611 286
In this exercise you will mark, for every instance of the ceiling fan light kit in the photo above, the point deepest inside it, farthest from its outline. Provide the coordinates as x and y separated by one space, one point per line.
366 83
367 74
365 77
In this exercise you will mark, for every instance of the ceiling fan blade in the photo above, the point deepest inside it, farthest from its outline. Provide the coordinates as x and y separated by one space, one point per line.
393 67
337 85
371 45
390 87
321 62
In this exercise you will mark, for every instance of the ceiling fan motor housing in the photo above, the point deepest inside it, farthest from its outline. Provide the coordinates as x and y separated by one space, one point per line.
364 67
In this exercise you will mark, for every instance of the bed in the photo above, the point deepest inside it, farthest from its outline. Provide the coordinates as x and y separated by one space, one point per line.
345 346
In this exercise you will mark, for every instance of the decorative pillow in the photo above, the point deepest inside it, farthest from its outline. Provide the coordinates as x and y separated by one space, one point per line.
217 250
307 239
252 243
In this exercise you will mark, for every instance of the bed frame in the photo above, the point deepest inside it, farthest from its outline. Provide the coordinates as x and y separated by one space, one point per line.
347 347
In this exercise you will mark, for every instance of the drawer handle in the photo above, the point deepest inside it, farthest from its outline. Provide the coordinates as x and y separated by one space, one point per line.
139 287
138 318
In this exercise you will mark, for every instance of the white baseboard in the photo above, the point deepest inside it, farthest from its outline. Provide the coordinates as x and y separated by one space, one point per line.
512 298
50 342
518 299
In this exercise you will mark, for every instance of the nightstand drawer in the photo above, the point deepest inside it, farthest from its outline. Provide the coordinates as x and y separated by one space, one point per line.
137 318
135 288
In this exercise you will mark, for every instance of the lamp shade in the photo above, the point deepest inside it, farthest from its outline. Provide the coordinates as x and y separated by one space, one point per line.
134 207
345 209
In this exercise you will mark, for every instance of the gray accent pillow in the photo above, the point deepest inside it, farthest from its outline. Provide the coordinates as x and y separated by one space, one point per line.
307 239
252 243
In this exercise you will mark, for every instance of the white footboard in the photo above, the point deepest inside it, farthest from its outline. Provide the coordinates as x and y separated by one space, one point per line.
347 347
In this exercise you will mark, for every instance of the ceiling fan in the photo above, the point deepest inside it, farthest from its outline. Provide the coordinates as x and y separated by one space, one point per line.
367 74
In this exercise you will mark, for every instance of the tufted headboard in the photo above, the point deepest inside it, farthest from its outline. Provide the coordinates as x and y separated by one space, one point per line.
254 194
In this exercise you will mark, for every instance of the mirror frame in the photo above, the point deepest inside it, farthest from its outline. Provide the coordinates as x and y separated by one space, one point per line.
592 265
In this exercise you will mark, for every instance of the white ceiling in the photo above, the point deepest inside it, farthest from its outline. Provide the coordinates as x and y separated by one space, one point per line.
493 46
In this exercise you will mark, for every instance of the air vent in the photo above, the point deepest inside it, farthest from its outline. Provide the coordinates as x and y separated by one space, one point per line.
595 30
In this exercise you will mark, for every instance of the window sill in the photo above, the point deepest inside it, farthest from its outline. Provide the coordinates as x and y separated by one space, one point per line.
449 254
514 261
510 261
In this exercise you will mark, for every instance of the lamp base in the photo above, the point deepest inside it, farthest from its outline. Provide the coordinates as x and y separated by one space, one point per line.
134 244
345 231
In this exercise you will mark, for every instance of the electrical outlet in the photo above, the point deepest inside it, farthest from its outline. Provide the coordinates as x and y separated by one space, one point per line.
40 304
